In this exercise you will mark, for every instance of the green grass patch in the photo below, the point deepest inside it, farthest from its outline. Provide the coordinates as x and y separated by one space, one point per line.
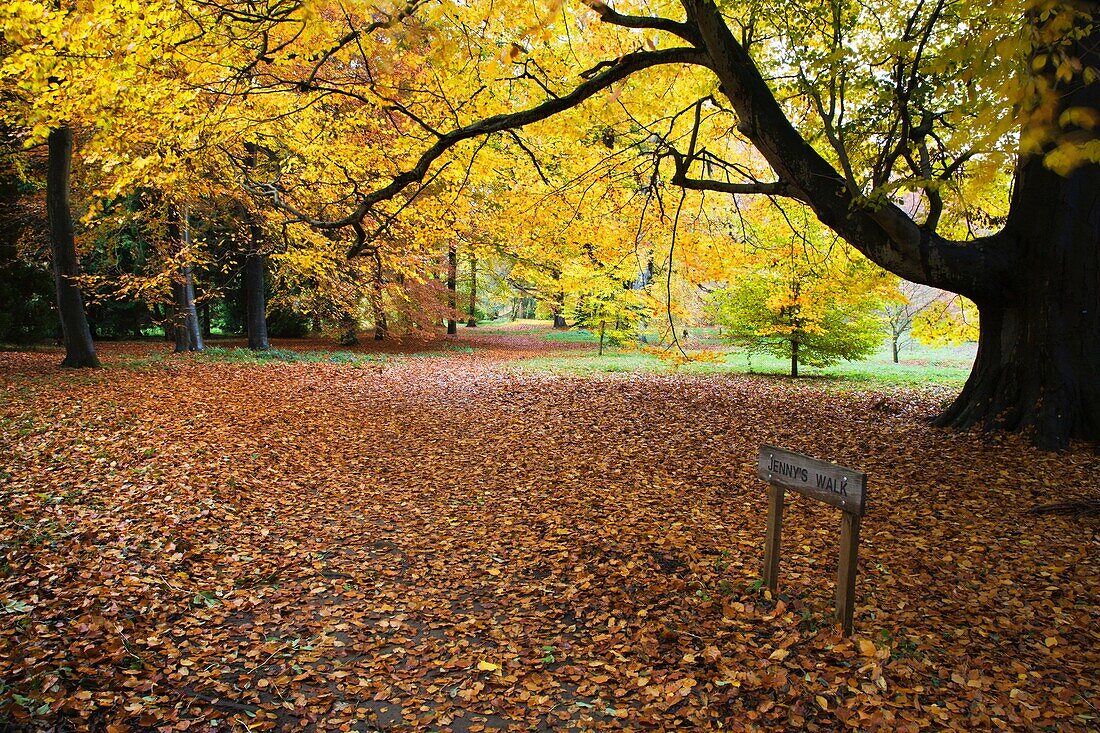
578 336
237 355
611 361
935 367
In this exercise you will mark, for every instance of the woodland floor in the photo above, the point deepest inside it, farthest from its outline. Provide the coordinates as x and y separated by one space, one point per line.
453 542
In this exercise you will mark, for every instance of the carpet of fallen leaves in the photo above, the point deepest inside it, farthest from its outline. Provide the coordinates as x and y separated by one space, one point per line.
455 543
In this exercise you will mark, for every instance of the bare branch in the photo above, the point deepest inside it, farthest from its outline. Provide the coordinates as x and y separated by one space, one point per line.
530 154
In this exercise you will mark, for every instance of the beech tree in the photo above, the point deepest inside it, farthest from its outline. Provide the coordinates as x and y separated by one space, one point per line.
849 104
805 297
883 118
76 334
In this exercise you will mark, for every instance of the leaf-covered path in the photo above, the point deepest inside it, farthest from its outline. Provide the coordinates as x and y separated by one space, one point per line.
454 543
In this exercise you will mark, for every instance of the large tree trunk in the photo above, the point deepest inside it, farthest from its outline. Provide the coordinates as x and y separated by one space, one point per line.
1039 345
1036 283
794 357
1039 349
188 331
452 301
77 336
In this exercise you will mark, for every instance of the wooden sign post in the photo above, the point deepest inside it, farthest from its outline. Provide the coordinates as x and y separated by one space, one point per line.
841 487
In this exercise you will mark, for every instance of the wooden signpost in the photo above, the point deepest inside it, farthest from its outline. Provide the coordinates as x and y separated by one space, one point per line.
841 487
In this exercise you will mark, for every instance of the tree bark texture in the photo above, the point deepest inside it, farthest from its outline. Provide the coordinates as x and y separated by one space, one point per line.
75 332
381 325
188 331
558 307
1039 344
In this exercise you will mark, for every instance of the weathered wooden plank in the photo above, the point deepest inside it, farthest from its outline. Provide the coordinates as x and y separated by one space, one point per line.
846 570
841 487
774 537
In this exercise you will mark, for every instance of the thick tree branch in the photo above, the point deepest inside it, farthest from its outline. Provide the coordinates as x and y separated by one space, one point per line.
617 71
608 15
882 232
774 188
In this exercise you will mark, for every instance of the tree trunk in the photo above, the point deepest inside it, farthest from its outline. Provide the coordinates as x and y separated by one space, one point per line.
603 325
1039 348
794 357
188 333
472 321
255 298
206 331
255 267
1039 344
894 344
452 299
347 331
381 326
1036 283
559 308
75 333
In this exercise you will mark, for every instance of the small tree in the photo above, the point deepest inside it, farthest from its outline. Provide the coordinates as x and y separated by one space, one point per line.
606 303
811 302
902 312
613 315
